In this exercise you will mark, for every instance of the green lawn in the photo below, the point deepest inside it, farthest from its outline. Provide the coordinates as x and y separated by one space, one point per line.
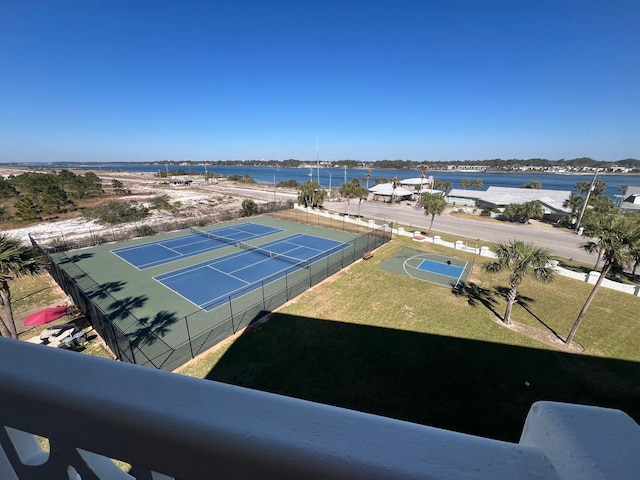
387 344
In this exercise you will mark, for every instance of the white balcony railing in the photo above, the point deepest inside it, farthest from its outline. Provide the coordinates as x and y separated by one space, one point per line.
93 409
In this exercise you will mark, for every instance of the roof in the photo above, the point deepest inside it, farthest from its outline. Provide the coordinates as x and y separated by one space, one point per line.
416 181
387 189
502 196
631 199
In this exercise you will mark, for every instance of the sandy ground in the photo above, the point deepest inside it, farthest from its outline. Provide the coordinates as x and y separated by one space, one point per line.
195 200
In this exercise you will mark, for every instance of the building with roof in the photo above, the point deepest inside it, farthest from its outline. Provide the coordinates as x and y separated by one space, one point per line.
552 201
630 200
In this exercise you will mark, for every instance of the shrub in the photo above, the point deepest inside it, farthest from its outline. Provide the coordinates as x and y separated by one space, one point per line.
115 212
145 231
288 184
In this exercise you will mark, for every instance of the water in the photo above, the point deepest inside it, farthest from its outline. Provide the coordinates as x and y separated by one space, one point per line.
335 177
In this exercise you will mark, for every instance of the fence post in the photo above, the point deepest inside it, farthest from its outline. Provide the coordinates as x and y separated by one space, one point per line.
186 322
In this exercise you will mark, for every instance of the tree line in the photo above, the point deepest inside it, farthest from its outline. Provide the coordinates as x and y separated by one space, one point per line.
30 196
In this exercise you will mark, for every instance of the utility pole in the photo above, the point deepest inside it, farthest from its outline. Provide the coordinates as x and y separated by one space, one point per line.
586 202
318 159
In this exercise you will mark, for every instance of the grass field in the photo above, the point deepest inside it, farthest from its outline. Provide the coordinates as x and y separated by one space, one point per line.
387 344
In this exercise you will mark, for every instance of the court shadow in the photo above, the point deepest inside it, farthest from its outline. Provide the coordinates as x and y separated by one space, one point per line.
153 330
476 295
471 386
75 258
106 289
119 309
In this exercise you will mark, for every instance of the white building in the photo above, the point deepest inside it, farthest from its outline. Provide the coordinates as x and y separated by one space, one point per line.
552 201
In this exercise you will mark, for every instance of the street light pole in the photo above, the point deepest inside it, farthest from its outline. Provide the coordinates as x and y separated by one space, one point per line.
318 159
586 201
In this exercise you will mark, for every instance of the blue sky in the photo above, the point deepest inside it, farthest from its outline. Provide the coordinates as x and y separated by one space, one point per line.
417 80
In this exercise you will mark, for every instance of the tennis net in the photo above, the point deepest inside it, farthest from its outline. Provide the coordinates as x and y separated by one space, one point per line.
274 255
217 238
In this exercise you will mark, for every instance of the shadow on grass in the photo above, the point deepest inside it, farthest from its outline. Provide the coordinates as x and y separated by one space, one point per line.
31 294
476 295
463 385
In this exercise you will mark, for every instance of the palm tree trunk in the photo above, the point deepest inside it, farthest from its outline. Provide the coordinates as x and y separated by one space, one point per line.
433 216
598 259
8 322
603 274
4 330
511 299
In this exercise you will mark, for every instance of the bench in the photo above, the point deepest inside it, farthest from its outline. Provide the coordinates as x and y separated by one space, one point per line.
367 255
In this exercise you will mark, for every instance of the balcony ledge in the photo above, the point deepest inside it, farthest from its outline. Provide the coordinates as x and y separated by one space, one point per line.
192 429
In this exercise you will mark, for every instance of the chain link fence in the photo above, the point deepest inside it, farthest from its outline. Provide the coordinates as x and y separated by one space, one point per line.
134 340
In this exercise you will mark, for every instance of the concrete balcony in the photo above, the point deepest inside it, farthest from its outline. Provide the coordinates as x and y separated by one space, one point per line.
170 426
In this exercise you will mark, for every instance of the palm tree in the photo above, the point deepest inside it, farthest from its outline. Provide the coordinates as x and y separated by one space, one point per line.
361 193
520 259
311 194
16 260
615 243
395 182
575 203
367 177
477 183
465 183
349 190
530 210
433 204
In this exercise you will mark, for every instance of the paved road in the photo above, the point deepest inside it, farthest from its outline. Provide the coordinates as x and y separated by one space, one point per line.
560 242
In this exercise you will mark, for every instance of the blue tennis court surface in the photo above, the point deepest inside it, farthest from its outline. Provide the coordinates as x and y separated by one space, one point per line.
211 283
157 253
449 270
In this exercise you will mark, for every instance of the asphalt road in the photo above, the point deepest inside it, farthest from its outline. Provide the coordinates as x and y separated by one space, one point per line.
559 241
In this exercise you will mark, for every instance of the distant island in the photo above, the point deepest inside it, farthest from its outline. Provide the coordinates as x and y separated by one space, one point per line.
539 165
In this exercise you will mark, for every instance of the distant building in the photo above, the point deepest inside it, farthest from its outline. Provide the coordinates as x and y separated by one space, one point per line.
552 201
468 168
631 200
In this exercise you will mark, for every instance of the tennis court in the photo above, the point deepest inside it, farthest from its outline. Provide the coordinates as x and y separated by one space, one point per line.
160 301
198 241
211 283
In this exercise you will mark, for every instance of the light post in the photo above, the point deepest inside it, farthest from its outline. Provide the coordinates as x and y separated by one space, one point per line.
274 189
586 201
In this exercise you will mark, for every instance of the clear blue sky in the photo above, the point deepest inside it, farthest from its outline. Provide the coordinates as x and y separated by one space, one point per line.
432 80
